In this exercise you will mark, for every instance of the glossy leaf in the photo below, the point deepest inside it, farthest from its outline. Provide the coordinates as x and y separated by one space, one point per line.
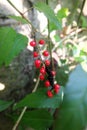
19 19
39 99
37 119
11 43
49 13
4 105
73 113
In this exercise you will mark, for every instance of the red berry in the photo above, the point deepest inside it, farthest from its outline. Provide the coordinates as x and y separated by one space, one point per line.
47 83
53 73
47 62
41 42
46 53
42 70
37 63
35 54
56 88
49 94
41 77
33 43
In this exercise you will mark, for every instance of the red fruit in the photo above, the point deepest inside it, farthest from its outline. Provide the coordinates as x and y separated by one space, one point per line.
33 43
46 53
53 73
49 94
42 70
37 63
41 42
35 54
47 62
47 83
56 88
41 77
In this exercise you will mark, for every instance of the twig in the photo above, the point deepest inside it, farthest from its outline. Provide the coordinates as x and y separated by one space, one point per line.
35 88
68 36
25 108
50 48
14 7
83 3
35 30
19 119
27 10
49 33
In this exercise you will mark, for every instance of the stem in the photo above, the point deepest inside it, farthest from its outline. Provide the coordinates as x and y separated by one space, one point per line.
68 36
25 108
47 2
35 88
83 3
71 17
19 119
14 7
27 10
50 48
35 30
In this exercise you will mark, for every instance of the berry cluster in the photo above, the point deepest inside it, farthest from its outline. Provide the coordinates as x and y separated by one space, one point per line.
45 68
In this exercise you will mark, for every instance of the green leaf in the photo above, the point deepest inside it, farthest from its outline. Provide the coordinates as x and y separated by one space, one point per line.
73 112
37 119
57 38
19 19
62 75
52 26
39 99
11 44
49 13
4 105
63 12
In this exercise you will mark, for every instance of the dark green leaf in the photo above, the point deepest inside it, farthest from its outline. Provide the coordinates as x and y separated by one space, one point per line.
19 19
39 99
11 43
49 13
62 75
4 105
73 112
37 119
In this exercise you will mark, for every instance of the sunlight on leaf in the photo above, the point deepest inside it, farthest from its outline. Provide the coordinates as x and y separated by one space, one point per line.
49 13
63 12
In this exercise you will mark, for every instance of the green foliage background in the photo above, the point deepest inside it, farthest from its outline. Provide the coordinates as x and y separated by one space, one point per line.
71 101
